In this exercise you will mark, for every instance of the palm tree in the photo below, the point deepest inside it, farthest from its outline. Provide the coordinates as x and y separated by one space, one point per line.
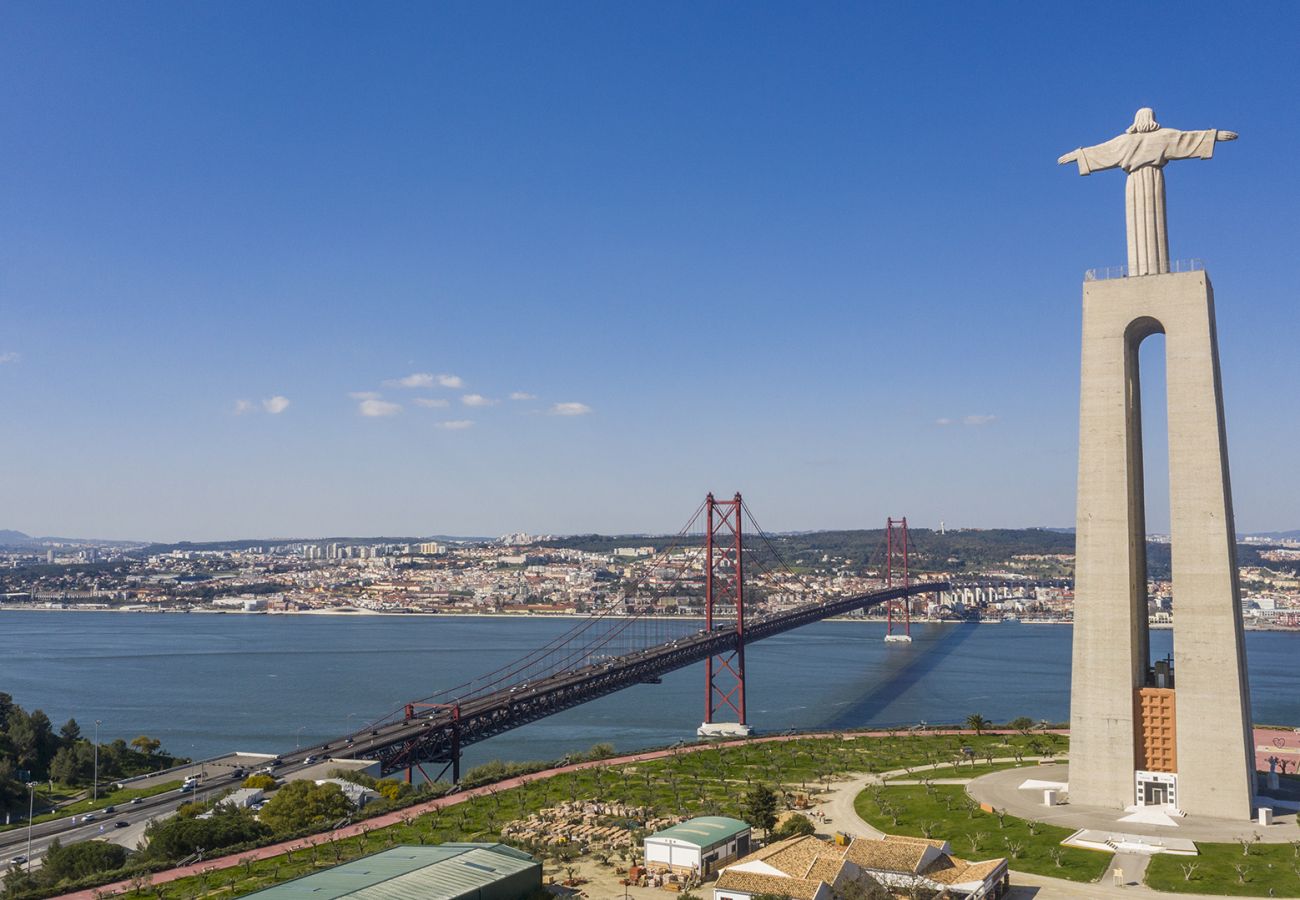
977 723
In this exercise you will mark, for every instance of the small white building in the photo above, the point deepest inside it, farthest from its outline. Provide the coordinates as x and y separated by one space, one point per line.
358 794
698 846
243 798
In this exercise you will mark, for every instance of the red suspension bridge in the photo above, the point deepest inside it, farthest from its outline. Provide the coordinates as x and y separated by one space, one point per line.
626 643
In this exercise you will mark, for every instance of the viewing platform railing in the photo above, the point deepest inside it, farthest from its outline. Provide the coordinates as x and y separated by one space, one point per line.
1108 272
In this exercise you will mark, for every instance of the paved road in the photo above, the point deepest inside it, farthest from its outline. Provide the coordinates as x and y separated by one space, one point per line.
218 776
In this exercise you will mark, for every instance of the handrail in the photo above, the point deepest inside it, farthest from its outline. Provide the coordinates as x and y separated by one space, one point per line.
1105 273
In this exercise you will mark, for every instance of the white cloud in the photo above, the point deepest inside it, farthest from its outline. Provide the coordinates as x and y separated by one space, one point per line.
243 406
523 395
477 400
414 380
457 424
431 402
943 421
275 405
363 395
9 356
451 381
373 407
978 420
570 409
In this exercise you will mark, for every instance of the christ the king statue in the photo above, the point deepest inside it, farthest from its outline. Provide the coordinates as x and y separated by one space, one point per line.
1142 151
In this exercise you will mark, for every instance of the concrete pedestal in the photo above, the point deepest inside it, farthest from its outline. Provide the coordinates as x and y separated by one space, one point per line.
1214 763
724 729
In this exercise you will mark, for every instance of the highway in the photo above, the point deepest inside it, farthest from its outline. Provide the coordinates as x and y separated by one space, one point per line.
214 779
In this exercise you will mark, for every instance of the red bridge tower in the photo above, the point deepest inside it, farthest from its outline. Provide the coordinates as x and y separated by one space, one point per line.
724 591
896 568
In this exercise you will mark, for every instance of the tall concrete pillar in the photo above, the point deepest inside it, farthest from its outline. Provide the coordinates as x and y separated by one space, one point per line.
1215 764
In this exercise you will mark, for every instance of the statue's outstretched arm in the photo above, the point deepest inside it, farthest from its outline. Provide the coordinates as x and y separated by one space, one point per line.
1225 135
1074 154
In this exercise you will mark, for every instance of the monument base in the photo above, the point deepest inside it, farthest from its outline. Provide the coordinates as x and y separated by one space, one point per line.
898 639
724 730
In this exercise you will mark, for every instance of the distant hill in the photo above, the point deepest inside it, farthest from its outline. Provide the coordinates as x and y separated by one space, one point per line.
11 538
1276 535
245 543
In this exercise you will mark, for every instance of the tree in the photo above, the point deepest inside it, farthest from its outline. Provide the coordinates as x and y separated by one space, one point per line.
977 723
300 804
795 825
392 789
260 780
66 767
146 745
70 732
862 888
176 838
1022 724
760 807
79 860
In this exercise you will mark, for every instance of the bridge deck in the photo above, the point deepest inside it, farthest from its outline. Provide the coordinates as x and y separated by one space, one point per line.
439 735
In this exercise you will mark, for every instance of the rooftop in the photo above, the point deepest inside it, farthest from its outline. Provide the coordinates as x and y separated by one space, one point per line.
438 872
704 831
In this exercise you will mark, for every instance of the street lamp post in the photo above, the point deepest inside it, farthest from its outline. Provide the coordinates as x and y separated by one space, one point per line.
297 738
31 806
94 790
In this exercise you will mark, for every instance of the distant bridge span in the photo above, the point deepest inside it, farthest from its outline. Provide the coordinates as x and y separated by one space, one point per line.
436 733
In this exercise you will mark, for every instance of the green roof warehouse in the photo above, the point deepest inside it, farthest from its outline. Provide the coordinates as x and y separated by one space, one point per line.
437 872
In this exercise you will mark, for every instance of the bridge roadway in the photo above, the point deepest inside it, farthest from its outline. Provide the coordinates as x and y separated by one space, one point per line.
432 738
437 737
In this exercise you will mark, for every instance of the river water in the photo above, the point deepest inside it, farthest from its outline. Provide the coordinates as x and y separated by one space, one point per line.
208 684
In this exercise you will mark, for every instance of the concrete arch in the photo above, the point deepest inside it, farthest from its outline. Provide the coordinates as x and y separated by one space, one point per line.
1214 764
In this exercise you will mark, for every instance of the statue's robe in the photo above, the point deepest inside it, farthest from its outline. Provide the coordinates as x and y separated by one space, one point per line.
1142 156
1131 152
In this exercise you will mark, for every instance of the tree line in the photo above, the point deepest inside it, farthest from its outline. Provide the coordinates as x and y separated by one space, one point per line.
32 751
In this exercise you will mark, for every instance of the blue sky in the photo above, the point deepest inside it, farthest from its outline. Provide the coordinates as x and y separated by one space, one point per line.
756 247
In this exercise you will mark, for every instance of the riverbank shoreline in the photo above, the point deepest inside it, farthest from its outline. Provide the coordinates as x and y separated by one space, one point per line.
355 612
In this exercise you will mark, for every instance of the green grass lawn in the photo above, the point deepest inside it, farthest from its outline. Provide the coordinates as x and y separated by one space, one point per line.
1268 866
106 798
945 811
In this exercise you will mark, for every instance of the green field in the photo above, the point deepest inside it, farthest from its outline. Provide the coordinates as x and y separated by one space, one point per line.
945 811
1269 870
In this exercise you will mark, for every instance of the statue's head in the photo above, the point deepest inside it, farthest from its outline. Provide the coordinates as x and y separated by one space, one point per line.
1144 121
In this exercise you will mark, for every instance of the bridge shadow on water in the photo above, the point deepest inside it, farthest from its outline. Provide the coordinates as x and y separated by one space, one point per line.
905 666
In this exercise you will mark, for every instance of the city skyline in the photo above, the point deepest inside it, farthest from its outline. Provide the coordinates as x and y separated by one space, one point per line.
304 271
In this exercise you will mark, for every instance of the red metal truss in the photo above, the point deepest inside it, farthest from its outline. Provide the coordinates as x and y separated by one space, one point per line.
724 585
896 561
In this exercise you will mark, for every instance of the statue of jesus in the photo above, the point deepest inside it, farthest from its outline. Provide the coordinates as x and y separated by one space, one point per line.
1142 151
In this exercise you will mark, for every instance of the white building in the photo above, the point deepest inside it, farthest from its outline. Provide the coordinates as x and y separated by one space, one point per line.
698 846
359 795
242 798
